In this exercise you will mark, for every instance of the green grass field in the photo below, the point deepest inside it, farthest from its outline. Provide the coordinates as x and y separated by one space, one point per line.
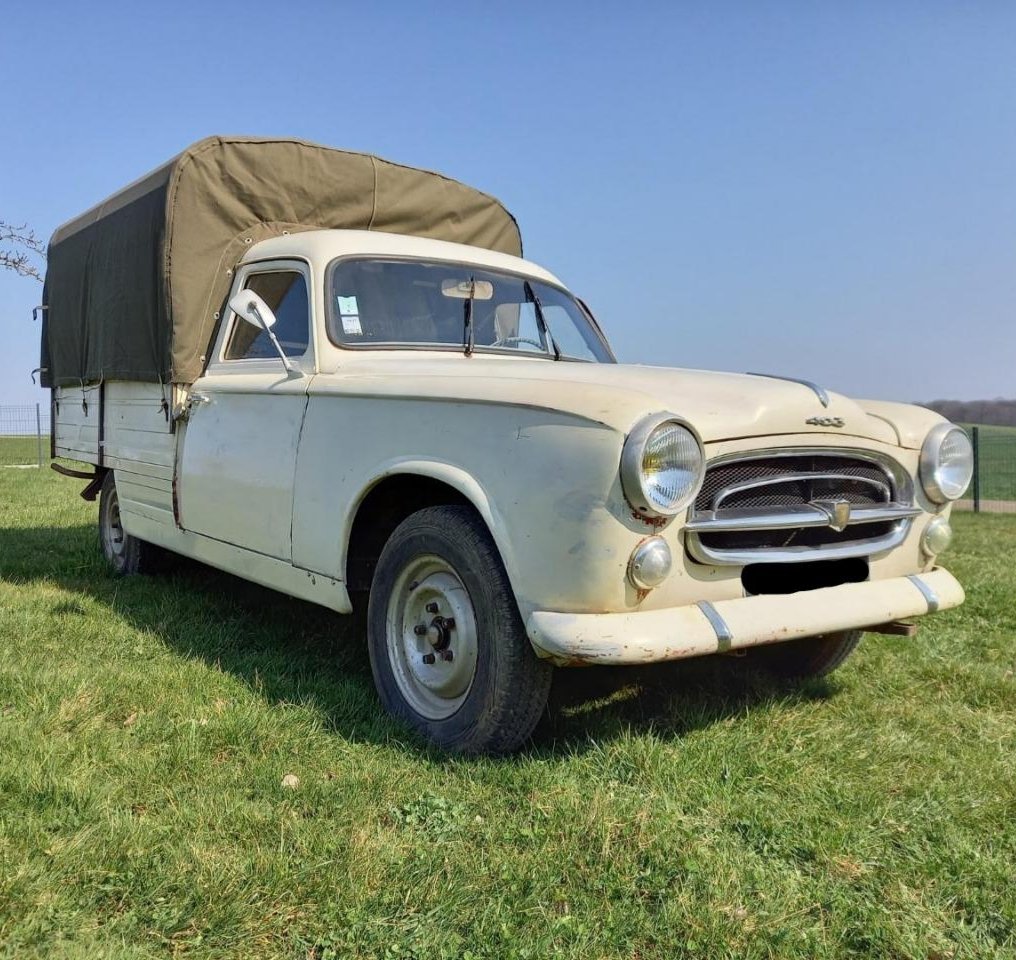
691 810
21 450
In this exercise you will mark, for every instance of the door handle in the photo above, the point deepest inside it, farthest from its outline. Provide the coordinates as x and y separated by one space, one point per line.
196 398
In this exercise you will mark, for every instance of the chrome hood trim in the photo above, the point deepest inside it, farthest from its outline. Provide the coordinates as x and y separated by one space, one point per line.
819 392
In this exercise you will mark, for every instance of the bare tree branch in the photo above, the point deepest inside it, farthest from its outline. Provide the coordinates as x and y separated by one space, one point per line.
20 248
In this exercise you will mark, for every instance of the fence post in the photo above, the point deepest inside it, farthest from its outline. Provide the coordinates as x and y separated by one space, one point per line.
38 433
976 443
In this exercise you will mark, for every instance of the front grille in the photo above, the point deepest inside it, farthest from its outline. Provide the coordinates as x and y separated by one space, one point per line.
790 468
783 506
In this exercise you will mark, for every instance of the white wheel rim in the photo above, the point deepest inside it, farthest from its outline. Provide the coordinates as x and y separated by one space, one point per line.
112 529
430 630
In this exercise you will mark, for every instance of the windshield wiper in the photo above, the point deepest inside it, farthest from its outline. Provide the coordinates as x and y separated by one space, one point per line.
467 320
541 321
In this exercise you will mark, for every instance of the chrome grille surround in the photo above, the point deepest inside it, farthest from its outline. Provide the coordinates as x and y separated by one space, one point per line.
772 506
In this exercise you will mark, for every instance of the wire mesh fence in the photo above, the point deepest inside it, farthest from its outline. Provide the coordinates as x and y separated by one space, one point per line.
993 489
24 435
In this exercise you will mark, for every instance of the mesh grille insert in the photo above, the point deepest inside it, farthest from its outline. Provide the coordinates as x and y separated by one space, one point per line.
794 480
795 493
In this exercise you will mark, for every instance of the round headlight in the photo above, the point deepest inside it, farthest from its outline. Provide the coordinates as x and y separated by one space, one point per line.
947 463
661 466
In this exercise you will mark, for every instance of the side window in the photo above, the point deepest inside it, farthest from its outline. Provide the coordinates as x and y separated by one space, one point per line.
285 291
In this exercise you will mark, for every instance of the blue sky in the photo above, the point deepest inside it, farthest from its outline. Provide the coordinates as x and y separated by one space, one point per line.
815 189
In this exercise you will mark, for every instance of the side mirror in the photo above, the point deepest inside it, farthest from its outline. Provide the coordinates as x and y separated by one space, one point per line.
248 306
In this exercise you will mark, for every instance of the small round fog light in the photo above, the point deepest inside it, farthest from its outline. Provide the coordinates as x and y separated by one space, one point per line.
649 564
937 536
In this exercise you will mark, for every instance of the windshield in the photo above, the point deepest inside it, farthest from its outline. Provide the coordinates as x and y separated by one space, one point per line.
374 302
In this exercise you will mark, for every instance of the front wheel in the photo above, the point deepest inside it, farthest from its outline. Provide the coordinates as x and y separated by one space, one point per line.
448 649
125 554
810 657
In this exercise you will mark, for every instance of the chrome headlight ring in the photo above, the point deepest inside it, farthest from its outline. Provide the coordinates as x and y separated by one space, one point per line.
662 465
947 463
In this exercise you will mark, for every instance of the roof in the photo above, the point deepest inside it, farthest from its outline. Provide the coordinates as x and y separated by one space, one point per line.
322 246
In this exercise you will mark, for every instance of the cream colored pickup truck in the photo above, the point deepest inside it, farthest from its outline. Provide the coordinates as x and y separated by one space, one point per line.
440 430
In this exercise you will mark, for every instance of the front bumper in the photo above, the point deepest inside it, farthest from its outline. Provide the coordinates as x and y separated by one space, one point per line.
704 628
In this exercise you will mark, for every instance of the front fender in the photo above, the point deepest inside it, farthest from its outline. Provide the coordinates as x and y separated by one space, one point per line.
545 483
453 476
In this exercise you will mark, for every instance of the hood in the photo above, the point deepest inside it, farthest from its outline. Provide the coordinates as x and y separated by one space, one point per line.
720 406
728 406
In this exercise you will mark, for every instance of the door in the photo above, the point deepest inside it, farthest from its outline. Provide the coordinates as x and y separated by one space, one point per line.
239 443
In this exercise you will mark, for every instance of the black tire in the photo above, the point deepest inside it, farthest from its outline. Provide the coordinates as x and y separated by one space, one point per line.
809 657
126 555
508 688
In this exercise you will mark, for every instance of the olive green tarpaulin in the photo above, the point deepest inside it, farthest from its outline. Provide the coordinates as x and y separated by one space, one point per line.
134 286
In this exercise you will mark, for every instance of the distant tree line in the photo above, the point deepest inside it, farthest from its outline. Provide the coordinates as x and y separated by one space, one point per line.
997 413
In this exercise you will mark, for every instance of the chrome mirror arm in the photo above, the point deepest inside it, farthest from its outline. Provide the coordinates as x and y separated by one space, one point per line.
252 309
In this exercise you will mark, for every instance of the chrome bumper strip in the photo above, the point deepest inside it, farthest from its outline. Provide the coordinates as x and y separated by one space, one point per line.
929 595
724 636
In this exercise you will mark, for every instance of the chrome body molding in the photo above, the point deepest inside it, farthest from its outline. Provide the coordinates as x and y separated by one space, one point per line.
843 551
792 518
897 509
819 392
929 595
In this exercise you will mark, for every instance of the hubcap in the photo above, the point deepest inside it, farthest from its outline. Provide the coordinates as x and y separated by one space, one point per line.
112 530
431 637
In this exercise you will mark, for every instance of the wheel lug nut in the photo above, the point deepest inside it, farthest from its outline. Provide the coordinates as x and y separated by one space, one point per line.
432 607
449 623
429 658
447 656
420 629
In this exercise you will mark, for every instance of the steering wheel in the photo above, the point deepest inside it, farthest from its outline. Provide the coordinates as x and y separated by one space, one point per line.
508 341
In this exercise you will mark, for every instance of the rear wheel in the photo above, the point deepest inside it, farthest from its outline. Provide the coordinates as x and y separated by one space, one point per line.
125 554
810 657
448 649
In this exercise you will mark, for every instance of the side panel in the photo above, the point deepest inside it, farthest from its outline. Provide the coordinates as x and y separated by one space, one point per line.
139 444
76 422
135 437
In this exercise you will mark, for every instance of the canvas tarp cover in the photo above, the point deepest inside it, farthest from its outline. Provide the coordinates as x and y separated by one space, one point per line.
135 285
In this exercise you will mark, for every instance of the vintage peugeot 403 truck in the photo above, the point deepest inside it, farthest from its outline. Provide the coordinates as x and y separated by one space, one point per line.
337 377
